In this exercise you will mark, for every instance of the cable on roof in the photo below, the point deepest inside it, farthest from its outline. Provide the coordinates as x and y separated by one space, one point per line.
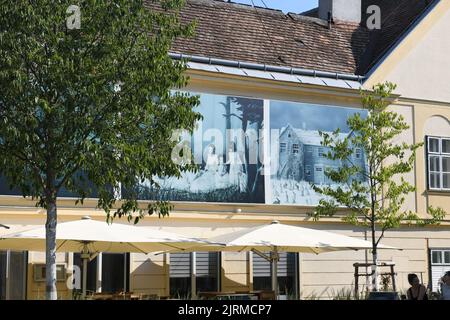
279 57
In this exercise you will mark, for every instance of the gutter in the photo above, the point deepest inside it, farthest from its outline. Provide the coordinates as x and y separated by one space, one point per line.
264 67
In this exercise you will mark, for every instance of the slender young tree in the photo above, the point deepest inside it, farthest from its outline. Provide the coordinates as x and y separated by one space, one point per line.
374 195
86 103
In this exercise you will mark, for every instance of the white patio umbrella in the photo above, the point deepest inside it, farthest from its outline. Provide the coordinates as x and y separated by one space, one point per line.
89 237
277 237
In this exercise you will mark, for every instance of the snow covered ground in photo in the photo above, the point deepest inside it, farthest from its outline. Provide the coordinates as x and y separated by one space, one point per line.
294 192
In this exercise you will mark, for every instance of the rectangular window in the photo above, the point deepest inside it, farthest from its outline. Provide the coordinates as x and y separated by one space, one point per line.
440 264
436 257
447 257
287 270
182 273
282 147
106 273
13 274
438 158
358 153
295 148
308 170
320 152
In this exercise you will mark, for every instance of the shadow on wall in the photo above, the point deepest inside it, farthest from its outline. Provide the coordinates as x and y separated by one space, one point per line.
236 281
150 277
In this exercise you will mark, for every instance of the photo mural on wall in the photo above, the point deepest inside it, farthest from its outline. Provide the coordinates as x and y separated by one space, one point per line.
225 146
298 159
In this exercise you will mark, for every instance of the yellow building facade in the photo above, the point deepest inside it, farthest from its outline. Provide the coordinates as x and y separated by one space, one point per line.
418 64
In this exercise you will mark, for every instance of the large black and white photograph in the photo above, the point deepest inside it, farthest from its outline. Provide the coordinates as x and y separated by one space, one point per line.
298 158
226 147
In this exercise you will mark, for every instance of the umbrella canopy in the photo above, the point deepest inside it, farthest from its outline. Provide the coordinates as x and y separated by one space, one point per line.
276 237
91 237
285 238
100 237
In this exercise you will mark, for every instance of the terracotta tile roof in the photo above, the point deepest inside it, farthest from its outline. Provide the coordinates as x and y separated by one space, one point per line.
265 36
240 32
397 16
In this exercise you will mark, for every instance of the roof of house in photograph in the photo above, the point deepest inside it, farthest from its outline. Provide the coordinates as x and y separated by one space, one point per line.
238 32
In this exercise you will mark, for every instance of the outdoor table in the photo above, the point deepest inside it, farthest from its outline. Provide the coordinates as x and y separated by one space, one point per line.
228 295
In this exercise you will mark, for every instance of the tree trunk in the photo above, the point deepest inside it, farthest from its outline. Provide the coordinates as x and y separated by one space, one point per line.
227 107
375 284
50 252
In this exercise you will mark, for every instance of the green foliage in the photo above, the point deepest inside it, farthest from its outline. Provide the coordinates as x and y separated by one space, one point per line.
376 200
93 104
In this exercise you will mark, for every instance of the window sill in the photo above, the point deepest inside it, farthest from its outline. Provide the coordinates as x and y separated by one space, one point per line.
438 192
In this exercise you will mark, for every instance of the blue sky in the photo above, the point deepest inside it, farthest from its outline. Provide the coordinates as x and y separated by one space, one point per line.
286 6
309 117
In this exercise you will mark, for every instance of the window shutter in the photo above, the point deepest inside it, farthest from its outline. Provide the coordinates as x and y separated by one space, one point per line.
180 265
206 264
261 267
286 265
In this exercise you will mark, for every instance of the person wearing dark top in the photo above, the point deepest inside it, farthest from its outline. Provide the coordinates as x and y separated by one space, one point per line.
417 290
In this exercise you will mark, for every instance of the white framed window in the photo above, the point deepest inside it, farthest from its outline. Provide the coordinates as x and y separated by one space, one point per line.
438 159
282 147
440 264
295 148
358 153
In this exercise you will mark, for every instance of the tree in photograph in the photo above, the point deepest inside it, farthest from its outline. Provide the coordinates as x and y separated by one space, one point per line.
87 105
374 196
251 113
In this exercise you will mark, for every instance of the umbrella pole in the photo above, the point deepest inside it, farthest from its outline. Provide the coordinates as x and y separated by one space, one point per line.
274 261
85 257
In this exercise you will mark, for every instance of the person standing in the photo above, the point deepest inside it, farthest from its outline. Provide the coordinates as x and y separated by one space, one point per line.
445 286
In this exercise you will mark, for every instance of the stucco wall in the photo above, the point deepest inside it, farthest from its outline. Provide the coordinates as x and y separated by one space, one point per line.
420 65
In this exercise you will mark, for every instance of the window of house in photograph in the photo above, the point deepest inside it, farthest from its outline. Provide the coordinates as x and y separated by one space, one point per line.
295 148
438 158
107 273
183 273
440 264
358 153
287 274
282 147
13 274
320 152
307 170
